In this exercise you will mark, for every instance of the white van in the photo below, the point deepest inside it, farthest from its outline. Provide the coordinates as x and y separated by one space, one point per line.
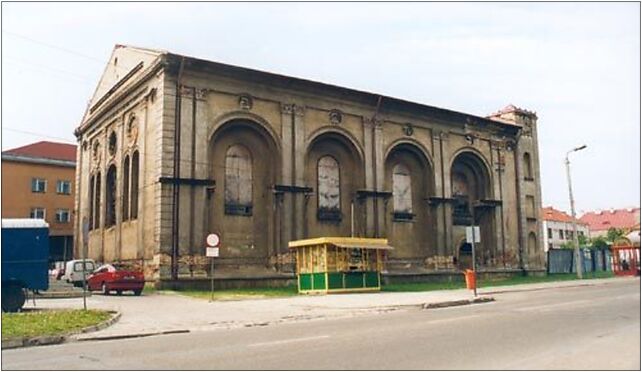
73 271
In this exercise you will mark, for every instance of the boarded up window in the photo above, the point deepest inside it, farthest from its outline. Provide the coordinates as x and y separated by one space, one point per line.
329 185
238 181
110 195
96 201
126 189
461 195
402 192
134 185
91 201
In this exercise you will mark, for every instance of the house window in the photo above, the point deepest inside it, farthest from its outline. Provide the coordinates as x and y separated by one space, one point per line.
569 234
62 215
37 212
549 233
238 181
134 186
110 195
329 186
63 187
38 185
550 246
402 192
561 234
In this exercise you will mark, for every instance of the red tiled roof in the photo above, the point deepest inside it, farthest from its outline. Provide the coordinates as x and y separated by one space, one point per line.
552 214
47 150
618 218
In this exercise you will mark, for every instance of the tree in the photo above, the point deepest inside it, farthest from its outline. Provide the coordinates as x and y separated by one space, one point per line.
615 235
582 240
599 242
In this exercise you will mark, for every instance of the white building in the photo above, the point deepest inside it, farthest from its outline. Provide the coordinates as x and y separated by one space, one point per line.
558 228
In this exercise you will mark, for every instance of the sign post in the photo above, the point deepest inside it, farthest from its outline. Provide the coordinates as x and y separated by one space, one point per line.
472 237
212 251
85 237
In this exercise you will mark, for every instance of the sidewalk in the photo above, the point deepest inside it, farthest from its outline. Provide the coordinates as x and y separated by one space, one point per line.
157 313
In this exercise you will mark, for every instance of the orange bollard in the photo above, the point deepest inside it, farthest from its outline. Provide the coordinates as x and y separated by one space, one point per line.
471 281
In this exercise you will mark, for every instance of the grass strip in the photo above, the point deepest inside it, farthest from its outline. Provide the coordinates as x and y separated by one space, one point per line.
494 282
49 323
238 294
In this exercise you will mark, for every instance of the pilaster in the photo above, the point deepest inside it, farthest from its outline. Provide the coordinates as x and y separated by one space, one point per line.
287 174
299 169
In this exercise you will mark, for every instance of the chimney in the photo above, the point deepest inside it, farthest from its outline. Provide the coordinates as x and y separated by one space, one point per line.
515 115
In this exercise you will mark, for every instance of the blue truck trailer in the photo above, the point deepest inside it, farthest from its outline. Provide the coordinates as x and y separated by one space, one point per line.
25 256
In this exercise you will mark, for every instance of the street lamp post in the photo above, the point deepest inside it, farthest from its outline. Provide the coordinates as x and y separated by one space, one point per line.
576 242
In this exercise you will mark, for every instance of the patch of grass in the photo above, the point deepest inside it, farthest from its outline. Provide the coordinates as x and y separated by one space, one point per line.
49 323
239 294
481 283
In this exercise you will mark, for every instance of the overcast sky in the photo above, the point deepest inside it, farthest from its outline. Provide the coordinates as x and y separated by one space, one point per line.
576 65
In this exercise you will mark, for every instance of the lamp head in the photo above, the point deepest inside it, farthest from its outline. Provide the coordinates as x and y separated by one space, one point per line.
579 148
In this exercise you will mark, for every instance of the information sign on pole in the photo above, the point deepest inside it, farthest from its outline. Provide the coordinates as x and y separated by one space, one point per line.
212 251
472 231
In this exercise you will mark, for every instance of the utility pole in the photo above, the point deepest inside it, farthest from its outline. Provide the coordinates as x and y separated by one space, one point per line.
576 242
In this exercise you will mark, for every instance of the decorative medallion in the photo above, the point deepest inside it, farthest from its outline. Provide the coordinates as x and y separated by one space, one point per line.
286 108
408 130
336 117
470 139
510 145
245 102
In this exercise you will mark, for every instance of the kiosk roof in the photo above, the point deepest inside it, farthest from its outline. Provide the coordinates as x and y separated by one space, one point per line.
343 242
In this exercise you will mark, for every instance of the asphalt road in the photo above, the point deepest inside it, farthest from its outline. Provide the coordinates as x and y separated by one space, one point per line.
585 327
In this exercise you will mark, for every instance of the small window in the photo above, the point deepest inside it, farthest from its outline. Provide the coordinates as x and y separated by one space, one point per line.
561 234
550 246
550 233
37 213
62 215
38 185
63 187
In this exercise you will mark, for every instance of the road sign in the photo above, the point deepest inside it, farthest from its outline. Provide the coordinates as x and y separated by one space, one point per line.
213 240
469 234
212 251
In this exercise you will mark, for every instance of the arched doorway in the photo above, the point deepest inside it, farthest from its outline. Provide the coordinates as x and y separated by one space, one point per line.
335 169
244 161
471 190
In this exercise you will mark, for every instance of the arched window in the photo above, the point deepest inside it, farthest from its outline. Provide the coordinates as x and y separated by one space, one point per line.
134 185
238 181
528 167
402 192
126 189
97 190
110 197
91 201
329 186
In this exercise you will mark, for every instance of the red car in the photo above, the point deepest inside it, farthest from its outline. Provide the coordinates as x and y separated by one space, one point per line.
107 278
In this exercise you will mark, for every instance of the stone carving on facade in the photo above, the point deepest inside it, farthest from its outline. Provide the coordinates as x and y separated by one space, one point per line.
151 95
335 116
408 129
299 110
376 122
96 153
112 145
132 129
245 102
470 139
286 108
201 93
527 130
510 146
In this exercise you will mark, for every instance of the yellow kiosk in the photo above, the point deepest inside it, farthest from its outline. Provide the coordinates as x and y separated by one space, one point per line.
333 265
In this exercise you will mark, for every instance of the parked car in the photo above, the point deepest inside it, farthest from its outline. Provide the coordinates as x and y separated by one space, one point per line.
117 278
73 271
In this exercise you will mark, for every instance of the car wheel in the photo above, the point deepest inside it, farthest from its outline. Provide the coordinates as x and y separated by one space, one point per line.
137 292
104 289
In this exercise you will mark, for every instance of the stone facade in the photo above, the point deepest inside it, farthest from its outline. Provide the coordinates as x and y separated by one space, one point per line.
263 159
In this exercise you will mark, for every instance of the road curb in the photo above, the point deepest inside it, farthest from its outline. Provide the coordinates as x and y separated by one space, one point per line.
438 305
59 339
133 335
